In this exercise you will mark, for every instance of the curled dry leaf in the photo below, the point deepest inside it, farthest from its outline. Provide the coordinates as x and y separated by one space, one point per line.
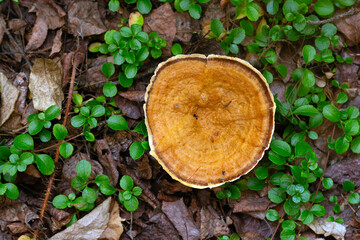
21 82
91 226
16 24
38 34
180 217
9 96
323 226
128 108
212 225
84 19
114 228
45 84
57 43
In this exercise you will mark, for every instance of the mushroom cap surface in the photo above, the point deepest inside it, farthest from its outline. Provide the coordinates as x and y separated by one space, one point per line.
209 119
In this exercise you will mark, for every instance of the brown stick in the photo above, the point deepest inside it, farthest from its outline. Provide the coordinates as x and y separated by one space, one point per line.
52 177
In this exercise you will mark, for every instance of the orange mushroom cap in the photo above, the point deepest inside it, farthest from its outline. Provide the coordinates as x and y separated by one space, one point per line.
210 119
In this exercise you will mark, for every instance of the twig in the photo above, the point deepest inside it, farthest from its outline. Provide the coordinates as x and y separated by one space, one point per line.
351 12
15 43
57 155
58 144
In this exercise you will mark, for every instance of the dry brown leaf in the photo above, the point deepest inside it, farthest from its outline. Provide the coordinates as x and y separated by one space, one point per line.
2 28
52 13
9 96
350 27
162 20
107 161
184 27
128 108
57 43
250 202
136 96
212 225
90 227
38 34
45 84
114 227
16 24
84 19
181 219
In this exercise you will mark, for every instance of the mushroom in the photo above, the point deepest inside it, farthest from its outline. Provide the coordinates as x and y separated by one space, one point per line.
210 119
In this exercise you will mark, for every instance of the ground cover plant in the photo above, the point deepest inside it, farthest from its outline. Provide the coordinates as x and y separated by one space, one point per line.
82 139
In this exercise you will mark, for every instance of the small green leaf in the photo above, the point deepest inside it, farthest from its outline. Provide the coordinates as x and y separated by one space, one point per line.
12 191
352 127
144 6
342 98
136 150
78 183
280 147
309 78
308 53
252 11
176 49
348 185
322 43
306 110
117 122
108 69
269 77
355 145
78 121
60 132
114 5
318 210
4 153
130 71
272 215
287 234
52 112
276 195
97 111
195 11
288 224
45 164
61 201
126 183
341 145
90 195
83 169
24 141
126 32
327 183
328 30
132 204
66 149
124 81
307 217
35 127
109 89
331 112
354 198
262 173
107 189
237 35
324 8
216 27
27 158
255 184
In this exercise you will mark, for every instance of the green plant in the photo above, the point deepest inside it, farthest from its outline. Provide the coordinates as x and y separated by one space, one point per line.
192 6
130 47
233 236
90 189
144 6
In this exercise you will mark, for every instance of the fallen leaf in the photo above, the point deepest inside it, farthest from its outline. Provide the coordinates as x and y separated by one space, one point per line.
348 169
250 228
128 108
90 227
57 43
38 34
106 159
212 225
94 74
52 13
249 202
114 228
184 27
136 96
160 228
9 96
323 226
143 169
21 82
180 217
2 28
162 21
350 27
84 19
45 84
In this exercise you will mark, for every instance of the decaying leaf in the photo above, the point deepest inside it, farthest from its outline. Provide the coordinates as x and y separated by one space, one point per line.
180 217
93 225
323 226
9 96
38 34
212 225
57 43
84 19
45 84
